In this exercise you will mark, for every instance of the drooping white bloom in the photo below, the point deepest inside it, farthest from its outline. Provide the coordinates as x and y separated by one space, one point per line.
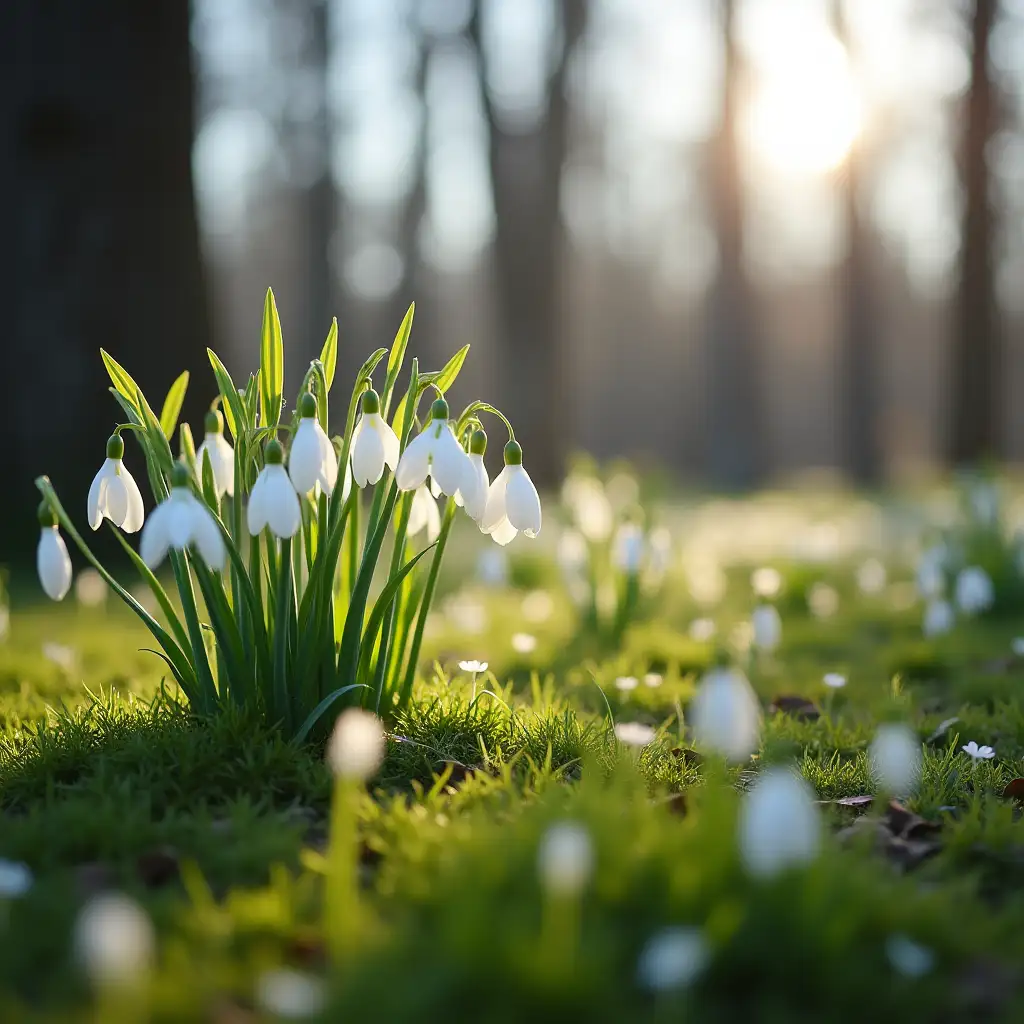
289 994
221 455
767 627
628 549
473 666
513 504
780 825
565 859
273 502
939 618
974 590
907 957
180 522
895 757
53 563
634 734
424 514
114 940
114 494
374 444
356 748
726 715
673 959
978 753
15 879
312 460
834 680
436 451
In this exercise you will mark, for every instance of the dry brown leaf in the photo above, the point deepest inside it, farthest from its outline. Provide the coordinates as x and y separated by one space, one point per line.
798 707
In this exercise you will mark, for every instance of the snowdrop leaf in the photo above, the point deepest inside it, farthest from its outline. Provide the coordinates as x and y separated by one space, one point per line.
446 377
209 483
172 405
157 438
318 712
271 362
122 379
234 413
397 357
187 447
329 354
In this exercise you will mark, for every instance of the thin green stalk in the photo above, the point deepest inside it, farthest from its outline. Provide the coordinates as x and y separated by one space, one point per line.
281 633
200 658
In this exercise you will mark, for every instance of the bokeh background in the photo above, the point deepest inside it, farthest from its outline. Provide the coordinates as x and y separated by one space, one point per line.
737 239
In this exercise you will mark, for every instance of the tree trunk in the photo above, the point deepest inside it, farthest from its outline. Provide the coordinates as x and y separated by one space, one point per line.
101 241
732 412
974 394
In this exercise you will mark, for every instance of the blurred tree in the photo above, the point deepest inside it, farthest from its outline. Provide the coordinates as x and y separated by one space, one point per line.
975 413
733 411
526 176
101 241
858 330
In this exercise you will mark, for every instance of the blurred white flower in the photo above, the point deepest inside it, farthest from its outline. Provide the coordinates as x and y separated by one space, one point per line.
766 581
907 957
780 824
871 577
356 747
60 654
53 563
984 500
491 564
565 859
513 504
90 589
589 507
572 556
634 734
978 753
895 758
939 618
623 491
114 940
424 514
974 590
834 680
767 627
524 643
823 600
660 551
15 879
473 666
702 630
290 994
1017 646
628 549
673 959
537 606
182 521
726 715
931 571
626 683
653 679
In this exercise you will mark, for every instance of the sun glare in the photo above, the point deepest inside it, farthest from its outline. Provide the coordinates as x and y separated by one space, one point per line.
803 114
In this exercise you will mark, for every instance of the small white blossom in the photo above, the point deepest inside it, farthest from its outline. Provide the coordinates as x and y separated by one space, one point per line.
653 679
273 502
53 563
114 940
767 627
436 452
473 666
524 643
895 757
513 504
181 522
834 681
374 444
312 460
766 581
590 508
626 683
1017 646
939 618
780 824
15 879
823 600
565 859
909 958
931 571
871 577
634 734
291 994
974 591
114 494
221 455
90 588
673 959
978 753
703 630
477 501
424 514
726 715
356 747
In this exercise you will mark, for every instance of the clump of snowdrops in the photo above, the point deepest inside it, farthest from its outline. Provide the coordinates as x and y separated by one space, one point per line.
273 528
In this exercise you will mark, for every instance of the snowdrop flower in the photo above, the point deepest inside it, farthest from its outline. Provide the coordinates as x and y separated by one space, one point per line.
628 548
726 715
589 506
871 577
513 504
673 959
823 600
114 494
524 643
220 454
702 630
1017 646
356 747
180 521
571 555
114 940
424 514
978 753
834 681
312 460
90 588
273 502
626 683
53 563
766 581
974 590
293 995
436 451
767 627
939 618
478 493
374 443
895 757
473 666
565 859
653 679
634 734
15 879
780 825
907 957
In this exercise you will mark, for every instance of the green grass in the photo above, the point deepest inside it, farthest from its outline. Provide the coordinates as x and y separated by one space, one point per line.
219 828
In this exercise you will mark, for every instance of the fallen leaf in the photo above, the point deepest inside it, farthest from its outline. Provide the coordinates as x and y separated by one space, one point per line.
863 800
691 758
941 729
798 707
1015 789
906 824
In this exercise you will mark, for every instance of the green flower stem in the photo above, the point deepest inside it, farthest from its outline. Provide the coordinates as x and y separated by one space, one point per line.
341 896
282 602
200 658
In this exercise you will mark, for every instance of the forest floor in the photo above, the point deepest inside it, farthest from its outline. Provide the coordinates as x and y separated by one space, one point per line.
219 830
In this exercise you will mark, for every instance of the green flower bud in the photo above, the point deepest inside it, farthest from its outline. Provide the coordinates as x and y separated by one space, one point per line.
214 422
439 410
513 454
47 517
115 447
370 402
179 474
478 442
307 405
273 454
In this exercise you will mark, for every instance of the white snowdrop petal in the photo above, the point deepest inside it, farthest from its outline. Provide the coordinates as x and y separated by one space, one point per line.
96 489
114 940
448 465
522 503
673 959
504 533
304 457
414 463
726 715
391 444
895 757
328 473
256 514
136 513
473 495
116 495
223 462
208 539
284 516
780 825
155 540
180 519
53 563
367 454
565 859
494 510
